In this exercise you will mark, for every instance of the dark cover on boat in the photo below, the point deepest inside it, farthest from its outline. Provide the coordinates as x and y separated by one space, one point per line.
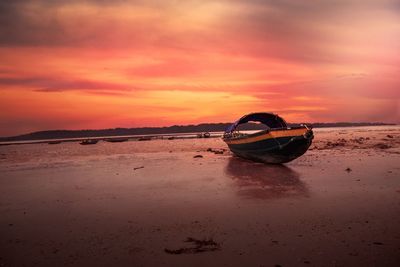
269 119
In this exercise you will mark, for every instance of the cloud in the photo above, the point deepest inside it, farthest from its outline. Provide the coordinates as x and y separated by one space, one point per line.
46 84
70 24
168 68
304 31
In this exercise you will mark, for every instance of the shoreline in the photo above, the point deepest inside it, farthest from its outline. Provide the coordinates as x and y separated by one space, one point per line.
189 135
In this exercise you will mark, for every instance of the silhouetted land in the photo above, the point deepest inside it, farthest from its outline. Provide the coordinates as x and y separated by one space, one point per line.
205 127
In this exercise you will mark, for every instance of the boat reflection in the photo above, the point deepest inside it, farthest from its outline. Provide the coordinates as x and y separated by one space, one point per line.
261 181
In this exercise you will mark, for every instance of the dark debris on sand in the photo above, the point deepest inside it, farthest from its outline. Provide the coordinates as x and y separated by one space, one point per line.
356 143
137 168
198 246
382 146
216 151
329 144
358 140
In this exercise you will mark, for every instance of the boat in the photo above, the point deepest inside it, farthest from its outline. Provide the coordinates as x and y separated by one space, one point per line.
277 144
89 142
144 138
116 139
203 135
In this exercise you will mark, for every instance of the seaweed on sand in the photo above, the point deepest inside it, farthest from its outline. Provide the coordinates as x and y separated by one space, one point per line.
198 246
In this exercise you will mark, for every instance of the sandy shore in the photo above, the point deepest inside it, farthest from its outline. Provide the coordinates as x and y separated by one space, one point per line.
154 203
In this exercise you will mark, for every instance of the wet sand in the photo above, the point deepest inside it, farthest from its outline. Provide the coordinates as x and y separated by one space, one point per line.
154 203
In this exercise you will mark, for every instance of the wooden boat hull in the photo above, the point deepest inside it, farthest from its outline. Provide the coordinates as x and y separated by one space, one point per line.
275 146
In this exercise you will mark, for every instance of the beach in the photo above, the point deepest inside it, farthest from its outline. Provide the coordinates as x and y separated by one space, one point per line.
191 202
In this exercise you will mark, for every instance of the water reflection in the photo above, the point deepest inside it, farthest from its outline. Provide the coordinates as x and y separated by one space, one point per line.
261 181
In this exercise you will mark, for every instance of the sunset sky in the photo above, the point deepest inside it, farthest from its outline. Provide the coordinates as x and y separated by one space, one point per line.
105 64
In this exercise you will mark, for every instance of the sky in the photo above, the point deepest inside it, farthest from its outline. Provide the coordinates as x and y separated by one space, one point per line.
103 64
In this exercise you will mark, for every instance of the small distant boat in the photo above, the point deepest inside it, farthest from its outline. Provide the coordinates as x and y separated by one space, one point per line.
54 142
116 139
277 144
144 138
89 142
203 135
